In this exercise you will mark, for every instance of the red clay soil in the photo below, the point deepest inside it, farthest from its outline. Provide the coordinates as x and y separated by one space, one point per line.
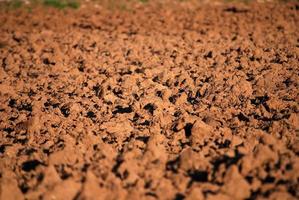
178 101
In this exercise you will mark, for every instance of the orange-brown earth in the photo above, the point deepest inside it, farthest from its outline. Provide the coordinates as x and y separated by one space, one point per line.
176 101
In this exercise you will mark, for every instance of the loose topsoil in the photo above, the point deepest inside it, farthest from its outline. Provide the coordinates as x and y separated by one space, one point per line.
162 101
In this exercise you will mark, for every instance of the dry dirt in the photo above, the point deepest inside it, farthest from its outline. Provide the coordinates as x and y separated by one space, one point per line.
163 101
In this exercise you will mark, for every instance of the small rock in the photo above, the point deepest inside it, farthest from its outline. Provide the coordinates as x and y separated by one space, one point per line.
200 132
9 187
51 177
67 190
235 184
91 188
195 194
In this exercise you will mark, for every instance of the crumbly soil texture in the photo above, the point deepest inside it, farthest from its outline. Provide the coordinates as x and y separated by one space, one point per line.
175 101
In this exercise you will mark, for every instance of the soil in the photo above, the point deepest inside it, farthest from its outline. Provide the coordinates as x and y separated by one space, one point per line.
162 101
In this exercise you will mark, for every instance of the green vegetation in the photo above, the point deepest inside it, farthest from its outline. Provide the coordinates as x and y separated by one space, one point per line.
123 5
15 4
62 4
